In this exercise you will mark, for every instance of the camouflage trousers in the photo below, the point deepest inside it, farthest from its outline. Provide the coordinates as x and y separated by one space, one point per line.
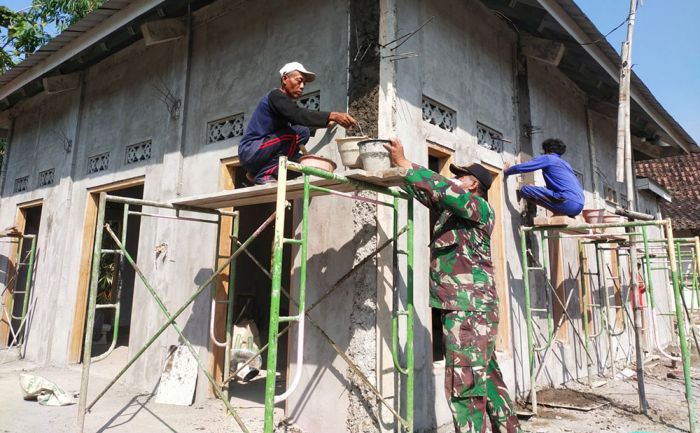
474 385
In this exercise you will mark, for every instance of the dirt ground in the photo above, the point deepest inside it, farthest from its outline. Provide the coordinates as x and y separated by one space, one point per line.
122 409
610 406
613 406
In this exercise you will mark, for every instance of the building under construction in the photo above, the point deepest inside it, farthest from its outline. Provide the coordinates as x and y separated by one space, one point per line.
129 227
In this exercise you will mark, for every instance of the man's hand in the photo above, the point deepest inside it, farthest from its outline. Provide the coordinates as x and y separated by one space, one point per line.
396 154
506 166
343 119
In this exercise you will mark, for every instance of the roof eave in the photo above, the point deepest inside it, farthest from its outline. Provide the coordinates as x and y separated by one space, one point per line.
609 62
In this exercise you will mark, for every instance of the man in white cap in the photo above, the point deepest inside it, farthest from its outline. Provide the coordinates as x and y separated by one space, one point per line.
279 126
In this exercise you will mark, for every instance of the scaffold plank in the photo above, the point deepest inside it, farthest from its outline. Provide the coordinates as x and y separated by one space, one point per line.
295 189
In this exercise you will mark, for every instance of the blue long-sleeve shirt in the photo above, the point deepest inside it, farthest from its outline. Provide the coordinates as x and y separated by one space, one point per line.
558 175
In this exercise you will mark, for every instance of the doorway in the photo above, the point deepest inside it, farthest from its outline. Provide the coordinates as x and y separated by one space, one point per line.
251 301
115 285
27 222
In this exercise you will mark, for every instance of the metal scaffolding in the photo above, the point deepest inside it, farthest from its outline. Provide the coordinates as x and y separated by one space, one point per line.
22 262
635 233
315 182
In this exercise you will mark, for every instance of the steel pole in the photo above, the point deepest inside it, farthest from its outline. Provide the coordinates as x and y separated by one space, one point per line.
410 358
685 353
584 306
277 256
528 319
92 301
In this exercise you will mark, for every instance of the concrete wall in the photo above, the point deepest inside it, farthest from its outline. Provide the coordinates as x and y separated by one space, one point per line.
230 63
470 69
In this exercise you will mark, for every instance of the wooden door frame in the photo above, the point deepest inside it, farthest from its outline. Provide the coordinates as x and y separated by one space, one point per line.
227 181
498 257
20 224
75 344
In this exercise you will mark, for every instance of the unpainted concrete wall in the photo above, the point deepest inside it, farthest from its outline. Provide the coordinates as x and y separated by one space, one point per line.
470 69
233 62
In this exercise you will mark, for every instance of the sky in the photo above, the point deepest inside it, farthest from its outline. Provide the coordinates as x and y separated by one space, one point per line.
665 50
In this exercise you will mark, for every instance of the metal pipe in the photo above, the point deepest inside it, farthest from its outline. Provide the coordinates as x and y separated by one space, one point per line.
348 195
28 280
658 223
277 255
342 179
584 303
605 312
177 329
120 284
172 217
175 207
233 244
396 302
332 289
528 318
544 251
410 358
685 354
175 315
90 323
302 294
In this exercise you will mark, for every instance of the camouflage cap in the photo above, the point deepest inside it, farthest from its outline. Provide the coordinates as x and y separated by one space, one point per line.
476 170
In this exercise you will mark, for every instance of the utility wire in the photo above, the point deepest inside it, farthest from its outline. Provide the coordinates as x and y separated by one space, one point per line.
610 32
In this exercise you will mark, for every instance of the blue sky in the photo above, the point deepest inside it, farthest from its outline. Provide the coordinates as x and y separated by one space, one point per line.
665 54
665 50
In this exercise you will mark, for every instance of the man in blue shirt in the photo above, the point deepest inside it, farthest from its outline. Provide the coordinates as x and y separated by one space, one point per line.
563 194
278 126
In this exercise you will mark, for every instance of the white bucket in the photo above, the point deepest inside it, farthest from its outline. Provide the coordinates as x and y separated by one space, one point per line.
374 156
349 152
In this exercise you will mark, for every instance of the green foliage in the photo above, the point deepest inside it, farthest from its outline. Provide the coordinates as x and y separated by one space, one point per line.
23 32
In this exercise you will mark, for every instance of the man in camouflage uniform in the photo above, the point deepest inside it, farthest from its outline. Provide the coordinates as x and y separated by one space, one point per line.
462 286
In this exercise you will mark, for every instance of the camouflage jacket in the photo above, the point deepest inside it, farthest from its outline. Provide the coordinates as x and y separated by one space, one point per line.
461 271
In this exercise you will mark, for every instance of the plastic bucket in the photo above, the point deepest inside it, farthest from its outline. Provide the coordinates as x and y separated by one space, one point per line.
349 151
374 156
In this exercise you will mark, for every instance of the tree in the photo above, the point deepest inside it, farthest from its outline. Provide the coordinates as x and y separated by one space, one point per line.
23 32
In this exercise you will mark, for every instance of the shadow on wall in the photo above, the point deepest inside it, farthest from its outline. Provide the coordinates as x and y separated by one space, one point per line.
197 326
360 306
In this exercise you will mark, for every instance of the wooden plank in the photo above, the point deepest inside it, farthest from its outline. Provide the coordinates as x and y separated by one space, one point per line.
560 221
76 338
295 189
557 276
496 199
227 181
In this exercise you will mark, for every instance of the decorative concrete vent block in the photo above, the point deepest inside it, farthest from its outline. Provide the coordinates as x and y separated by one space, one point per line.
609 193
46 177
623 200
21 184
489 138
138 152
438 114
98 163
312 101
223 129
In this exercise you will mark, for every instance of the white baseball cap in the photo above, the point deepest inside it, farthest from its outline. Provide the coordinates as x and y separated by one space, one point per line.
296 66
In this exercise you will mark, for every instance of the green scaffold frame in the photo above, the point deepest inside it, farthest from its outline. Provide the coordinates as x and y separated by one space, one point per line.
633 231
401 409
